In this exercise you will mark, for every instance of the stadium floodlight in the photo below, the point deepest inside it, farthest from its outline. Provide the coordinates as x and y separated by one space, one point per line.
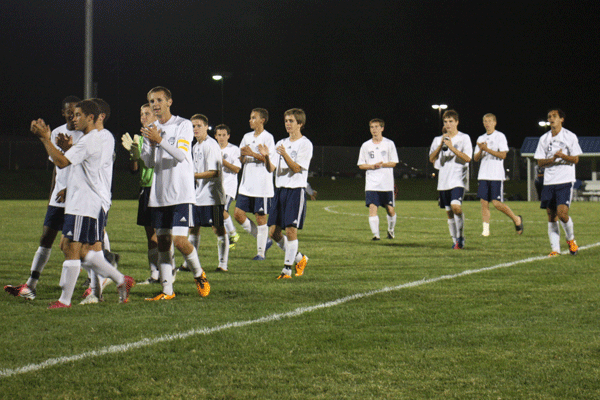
217 77
543 124
440 107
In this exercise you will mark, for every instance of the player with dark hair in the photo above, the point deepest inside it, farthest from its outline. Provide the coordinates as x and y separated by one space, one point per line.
558 152
256 188
54 219
84 213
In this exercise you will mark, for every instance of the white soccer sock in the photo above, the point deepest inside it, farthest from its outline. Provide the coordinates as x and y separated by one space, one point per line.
282 242
103 268
195 241
261 239
223 251
40 259
290 252
95 284
68 280
166 271
172 253
250 227
298 257
459 220
391 223
374 224
568 228
452 229
194 262
486 227
229 228
554 235
106 242
153 263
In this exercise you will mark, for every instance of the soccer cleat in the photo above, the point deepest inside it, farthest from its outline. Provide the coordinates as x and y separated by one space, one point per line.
460 243
219 269
161 296
87 292
554 254
90 299
376 238
202 285
301 265
284 276
258 258
233 239
23 291
391 235
58 304
183 267
124 289
485 233
149 281
573 248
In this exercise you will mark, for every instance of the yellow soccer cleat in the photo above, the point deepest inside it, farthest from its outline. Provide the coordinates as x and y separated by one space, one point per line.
554 254
301 265
202 285
573 248
161 296
284 276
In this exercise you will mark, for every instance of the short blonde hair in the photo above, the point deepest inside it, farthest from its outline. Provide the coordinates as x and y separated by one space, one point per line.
490 115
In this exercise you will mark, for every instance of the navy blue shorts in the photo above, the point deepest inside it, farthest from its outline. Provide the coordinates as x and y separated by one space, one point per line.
289 208
448 196
254 205
179 215
556 195
208 216
491 190
84 229
144 216
380 199
55 218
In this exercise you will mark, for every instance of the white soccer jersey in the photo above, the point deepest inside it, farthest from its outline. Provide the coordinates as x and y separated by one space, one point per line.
62 175
173 181
562 171
256 180
207 157
301 152
453 171
106 173
84 196
492 168
231 154
382 179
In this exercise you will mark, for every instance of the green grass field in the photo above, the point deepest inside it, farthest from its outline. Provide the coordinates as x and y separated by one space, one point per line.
395 319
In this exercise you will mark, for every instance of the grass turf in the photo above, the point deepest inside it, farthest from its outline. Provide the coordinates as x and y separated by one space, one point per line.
527 330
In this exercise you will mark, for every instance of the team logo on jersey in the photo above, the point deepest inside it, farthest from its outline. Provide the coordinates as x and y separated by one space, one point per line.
293 155
371 154
225 156
383 153
171 141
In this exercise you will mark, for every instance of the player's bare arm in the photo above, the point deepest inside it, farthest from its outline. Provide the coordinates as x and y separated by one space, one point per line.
294 166
483 147
246 151
43 132
458 153
233 168
264 152
152 134
206 174
64 142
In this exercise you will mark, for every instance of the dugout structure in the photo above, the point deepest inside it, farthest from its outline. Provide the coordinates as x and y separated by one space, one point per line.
590 188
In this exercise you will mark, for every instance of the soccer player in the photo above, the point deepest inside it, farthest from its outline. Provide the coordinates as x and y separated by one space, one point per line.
491 150
56 207
84 215
210 194
134 145
167 149
451 153
378 156
256 188
289 203
558 152
231 168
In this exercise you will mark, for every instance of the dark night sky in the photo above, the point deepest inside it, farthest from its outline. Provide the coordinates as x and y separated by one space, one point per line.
343 62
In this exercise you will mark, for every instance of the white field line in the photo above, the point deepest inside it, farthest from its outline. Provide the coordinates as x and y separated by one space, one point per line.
5 373
442 216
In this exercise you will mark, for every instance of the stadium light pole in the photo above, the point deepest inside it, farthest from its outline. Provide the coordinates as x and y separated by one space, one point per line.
221 78
440 107
88 72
